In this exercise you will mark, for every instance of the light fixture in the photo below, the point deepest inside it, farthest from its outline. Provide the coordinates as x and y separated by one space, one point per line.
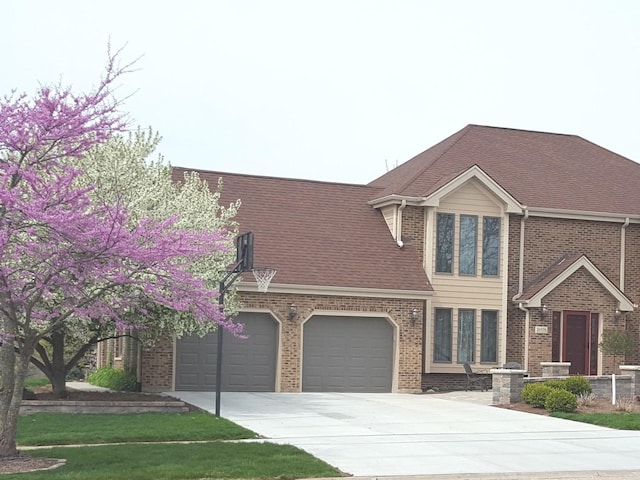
617 313
414 316
293 311
544 310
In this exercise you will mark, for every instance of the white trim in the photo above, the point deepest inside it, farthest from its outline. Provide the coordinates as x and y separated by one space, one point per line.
244 286
625 304
582 215
395 199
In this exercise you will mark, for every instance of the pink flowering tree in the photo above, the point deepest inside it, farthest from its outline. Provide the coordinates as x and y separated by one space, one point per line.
67 259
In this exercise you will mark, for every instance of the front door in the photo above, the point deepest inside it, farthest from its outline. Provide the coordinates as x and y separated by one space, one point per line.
576 342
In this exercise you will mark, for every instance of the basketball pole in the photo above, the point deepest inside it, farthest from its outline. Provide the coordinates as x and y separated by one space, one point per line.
225 283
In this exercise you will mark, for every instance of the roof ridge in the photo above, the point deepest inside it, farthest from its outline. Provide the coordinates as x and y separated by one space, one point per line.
272 177
425 167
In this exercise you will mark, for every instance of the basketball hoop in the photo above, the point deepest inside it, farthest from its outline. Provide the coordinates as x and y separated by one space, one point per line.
263 277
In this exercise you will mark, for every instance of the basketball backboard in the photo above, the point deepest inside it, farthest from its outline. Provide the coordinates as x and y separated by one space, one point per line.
244 253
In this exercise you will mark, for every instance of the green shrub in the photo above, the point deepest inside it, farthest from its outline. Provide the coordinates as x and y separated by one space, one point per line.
561 401
578 385
557 384
536 394
114 379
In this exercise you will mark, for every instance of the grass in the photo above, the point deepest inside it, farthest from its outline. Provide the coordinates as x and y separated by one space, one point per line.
36 382
619 420
181 461
212 459
69 429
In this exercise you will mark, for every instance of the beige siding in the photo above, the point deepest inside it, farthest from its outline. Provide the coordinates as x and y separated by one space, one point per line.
389 215
464 291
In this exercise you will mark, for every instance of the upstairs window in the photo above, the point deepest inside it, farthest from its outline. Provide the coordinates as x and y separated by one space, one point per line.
444 242
468 244
490 245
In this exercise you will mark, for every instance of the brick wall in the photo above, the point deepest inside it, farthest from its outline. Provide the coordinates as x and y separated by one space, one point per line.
158 362
547 240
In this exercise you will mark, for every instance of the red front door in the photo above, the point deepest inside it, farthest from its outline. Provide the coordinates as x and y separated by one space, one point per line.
576 342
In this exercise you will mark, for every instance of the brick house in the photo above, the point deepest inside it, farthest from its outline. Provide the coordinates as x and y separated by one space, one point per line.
495 245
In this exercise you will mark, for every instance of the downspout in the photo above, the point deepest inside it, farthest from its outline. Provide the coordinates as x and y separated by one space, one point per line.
527 324
399 224
623 236
521 259
527 319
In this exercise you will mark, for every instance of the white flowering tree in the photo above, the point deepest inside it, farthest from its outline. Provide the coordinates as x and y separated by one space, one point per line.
123 171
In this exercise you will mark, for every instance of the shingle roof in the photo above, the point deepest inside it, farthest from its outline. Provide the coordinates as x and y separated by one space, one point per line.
548 275
541 170
318 233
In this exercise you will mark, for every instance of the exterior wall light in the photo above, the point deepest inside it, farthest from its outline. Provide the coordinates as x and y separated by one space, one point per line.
414 316
293 311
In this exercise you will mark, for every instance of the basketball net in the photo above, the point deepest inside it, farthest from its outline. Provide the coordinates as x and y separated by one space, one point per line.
263 277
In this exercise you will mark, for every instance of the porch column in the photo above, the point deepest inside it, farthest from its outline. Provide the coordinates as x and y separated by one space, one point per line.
555 369
634 372
507 385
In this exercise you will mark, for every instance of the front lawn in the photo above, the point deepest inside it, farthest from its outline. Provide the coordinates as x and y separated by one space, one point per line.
210 458
69 429
618 420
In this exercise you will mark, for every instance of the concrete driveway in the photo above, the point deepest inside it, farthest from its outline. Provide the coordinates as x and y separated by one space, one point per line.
401 434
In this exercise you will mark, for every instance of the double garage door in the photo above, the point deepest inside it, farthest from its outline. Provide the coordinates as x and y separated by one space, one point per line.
340 354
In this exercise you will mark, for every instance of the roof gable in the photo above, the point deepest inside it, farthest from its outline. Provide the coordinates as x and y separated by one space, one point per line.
558 272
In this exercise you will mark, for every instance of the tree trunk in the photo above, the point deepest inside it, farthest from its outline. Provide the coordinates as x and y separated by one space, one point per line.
58 375
11 397
7 373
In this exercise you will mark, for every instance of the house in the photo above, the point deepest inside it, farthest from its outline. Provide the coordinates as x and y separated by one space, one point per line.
495 245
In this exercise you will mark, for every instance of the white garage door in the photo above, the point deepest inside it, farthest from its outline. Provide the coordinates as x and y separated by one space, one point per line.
347 354
248 365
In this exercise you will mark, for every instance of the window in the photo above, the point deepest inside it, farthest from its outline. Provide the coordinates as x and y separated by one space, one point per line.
444 242
466 335
489 336
468 239
442 336
490 245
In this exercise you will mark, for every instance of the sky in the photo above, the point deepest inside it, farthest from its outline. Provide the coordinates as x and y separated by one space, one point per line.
338 90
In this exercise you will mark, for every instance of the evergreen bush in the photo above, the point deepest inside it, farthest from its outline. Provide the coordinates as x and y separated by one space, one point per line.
578 385
561 401
536 394
113 379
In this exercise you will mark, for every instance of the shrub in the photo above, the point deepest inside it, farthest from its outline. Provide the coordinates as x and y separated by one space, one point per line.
536 394
561 401
557 384
577 385
587 399
114 379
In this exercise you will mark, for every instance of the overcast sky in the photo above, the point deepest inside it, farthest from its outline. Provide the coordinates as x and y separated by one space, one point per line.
339 90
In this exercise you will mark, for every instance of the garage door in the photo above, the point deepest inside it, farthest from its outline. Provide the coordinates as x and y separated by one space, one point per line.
248 365
347 354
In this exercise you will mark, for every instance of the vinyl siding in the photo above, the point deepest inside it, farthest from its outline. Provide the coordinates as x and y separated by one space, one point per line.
467 291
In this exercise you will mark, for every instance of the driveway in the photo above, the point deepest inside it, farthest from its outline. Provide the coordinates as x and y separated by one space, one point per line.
401 434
